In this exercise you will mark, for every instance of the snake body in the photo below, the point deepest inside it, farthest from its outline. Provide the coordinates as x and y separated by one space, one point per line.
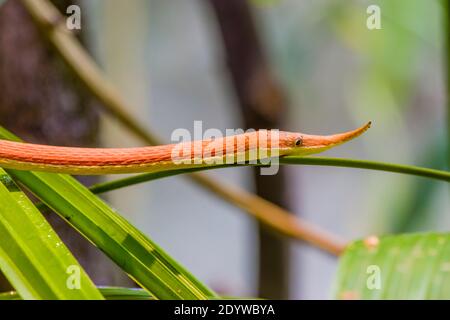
91 161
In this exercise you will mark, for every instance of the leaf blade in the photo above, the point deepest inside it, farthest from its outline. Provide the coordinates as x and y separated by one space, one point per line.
32 256
411 266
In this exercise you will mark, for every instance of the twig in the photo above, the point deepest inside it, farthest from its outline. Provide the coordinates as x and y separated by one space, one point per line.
82 65
316 161
371 165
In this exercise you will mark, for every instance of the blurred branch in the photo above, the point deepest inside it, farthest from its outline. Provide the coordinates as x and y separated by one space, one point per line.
264 211
49 20
271 215
261 101
315 161
51 24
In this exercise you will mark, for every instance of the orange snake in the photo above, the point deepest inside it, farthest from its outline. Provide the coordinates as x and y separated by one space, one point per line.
90 161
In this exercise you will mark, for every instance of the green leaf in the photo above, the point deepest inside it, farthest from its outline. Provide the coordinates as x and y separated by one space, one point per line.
32 256
110 293
135 253
409 266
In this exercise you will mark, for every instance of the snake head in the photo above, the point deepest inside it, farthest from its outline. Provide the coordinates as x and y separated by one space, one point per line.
301 144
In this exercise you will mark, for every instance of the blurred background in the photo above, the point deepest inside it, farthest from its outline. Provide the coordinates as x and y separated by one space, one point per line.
296 65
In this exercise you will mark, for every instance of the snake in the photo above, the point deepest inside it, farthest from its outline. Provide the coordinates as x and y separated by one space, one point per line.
255 145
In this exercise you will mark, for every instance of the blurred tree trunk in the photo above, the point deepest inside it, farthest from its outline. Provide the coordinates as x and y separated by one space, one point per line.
447 56
261 100
41 102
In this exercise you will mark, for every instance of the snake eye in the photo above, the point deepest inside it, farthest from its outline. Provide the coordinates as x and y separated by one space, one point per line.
298 142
